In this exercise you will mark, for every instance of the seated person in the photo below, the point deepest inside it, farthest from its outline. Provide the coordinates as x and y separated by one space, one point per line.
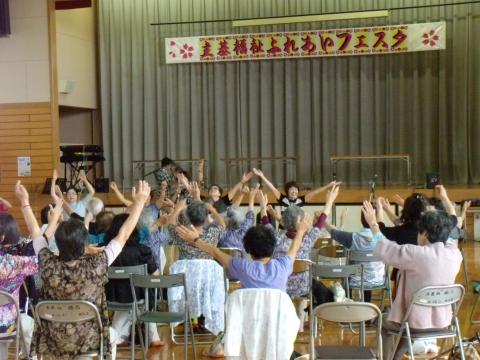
298 283
132 254
75 275
237 224
373 272
102 223
262 271
221 202
432 263
17 264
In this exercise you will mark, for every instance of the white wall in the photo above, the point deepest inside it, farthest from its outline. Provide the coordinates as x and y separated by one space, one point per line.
76 56
24 55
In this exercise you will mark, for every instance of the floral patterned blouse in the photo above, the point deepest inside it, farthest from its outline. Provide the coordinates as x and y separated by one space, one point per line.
211 234
13 271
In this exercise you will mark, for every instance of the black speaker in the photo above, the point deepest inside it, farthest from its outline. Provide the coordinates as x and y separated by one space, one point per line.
102 185
61 182
432 180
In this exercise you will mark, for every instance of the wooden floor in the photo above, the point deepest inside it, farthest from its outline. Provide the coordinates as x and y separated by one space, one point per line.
332 334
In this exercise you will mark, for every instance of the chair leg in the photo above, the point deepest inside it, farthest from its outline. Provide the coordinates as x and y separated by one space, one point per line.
140 335
193 340
132 341
409 339
459 337
185 338
465 271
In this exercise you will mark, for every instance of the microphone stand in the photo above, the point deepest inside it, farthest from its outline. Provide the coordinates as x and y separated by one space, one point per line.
372 183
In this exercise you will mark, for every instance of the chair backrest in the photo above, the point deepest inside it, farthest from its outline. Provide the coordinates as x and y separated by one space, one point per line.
355 312
361 256
322 242
264 317
301 265
234 252
6 298
158 281
68 311
334 271
435 296
124 272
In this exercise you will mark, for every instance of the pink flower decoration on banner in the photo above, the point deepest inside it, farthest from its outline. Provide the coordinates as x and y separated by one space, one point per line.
185 51
430 38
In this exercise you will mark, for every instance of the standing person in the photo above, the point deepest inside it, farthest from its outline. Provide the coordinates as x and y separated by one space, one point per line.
291 196
221 202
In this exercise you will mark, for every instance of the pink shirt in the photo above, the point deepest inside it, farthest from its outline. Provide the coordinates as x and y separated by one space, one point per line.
420 266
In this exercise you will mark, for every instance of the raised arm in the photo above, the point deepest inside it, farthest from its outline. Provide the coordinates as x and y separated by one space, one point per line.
239 198
191 236
267 183
238 186
388 210
53 217
179 207
252 196
310 195
119 195
30 220
6 203
86 183
441 193
139 199
302 228
263 201
215 215
53 186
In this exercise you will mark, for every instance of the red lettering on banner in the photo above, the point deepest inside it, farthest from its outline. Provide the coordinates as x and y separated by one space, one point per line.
361 42
257 46
381 40
240 47
309 45
207 50
347 37
400 36
326 42
289 46
274 49
224 48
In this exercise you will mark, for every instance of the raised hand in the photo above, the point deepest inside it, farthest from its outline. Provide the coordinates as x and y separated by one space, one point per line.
397 199
332 194
113 186
258 172
21 193
246 177
189 234
82 176
369 213
304 224
142 194
195 191
262 199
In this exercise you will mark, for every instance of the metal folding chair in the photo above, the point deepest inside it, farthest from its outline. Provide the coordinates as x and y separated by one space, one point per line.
301 266
332 272
355 312
361 257
71 311
433 296
147 282
8 299
123 273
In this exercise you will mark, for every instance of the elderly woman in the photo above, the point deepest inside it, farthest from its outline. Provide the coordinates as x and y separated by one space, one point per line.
13 271
75 275
298 283
431 263
237 223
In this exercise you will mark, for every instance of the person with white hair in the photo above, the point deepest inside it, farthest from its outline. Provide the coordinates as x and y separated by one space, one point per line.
238 223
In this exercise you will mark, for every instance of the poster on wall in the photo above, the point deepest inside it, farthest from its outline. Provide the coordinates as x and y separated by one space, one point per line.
389 39
24 166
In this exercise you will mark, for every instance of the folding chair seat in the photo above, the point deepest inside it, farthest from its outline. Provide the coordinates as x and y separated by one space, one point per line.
433 296
355 312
